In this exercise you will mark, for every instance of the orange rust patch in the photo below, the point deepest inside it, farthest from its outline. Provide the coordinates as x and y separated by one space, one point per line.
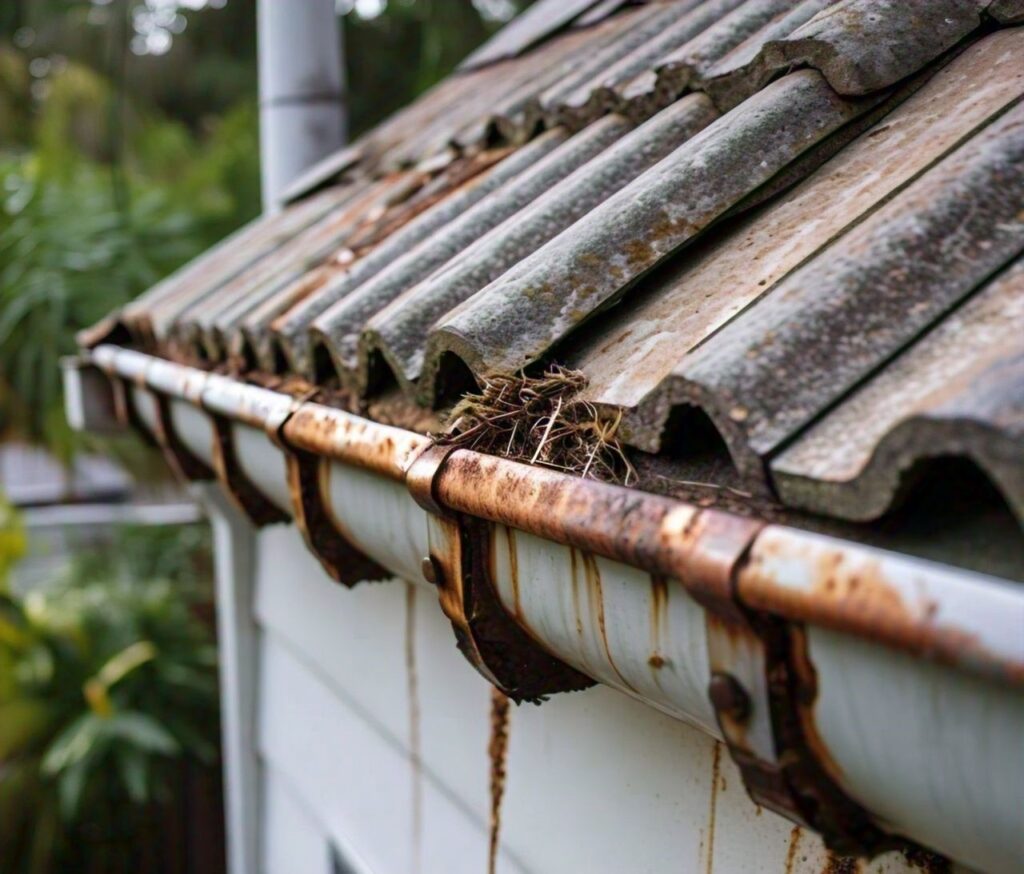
638 252
807 678
794 842
858 598
927 861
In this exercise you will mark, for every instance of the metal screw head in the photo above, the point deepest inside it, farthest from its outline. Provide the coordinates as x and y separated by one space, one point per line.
430 567
729 697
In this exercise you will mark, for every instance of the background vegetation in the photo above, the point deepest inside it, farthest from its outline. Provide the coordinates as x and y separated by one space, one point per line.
108 687
129 144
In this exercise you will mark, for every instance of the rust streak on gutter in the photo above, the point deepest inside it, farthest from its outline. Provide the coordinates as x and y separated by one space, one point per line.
656 534
869 595
381 449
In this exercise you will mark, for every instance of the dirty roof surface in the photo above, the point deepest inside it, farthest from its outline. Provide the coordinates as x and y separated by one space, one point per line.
783 239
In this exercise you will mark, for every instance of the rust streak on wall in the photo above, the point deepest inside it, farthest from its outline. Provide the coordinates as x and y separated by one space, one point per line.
497 749
513 569
415 751
592 578
794 843
716 761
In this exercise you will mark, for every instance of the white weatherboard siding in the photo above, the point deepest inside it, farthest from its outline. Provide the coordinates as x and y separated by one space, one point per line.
292 838
596 782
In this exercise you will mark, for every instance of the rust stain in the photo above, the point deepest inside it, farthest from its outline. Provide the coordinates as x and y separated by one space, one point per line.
841 865
856 595
927 861
592 576
807 678
659 610
345 437
497 749
513 569
575 593
794 843
716 761
415 747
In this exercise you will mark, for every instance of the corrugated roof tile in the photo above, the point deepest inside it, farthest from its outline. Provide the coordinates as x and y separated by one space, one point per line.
339 327
629 353
534 25
399 331
959 391
861 46
834 321
795 252
511 323
290 328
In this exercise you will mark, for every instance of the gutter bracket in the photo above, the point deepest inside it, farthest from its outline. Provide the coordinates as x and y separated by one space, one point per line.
309 484
460 566
182 461
763 687
243 492
125 412
422 473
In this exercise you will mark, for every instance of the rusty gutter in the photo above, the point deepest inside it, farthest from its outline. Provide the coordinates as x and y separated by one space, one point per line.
770 638
907 604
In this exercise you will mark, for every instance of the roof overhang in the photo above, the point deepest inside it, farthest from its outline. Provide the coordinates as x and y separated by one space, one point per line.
788 645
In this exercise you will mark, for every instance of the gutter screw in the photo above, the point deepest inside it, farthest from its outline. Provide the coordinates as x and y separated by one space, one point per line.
430 567
729 697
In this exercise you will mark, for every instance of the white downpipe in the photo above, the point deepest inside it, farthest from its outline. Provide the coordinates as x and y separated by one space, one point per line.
302 90
234 557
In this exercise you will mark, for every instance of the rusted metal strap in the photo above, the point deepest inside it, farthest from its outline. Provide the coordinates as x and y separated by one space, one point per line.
120 379
308 483
164 382
459 564
763 687
185 465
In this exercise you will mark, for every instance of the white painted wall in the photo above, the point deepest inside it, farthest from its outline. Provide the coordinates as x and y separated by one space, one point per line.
597 782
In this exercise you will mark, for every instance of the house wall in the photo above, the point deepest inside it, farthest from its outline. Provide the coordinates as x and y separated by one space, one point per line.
372 740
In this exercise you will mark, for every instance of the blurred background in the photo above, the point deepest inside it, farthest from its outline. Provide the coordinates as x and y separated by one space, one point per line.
129 143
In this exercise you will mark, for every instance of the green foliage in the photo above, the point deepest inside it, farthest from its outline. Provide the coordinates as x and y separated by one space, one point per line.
79 237
67 257
13 542
106 684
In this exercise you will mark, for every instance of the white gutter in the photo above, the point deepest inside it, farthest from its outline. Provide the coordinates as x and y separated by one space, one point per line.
878 695
302 90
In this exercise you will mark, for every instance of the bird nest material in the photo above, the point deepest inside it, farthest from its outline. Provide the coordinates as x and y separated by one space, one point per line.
541 420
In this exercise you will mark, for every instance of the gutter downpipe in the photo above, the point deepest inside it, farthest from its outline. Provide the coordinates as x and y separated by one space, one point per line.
789 646
302 90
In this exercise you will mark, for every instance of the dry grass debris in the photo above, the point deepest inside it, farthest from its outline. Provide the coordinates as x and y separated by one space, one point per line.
541 420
